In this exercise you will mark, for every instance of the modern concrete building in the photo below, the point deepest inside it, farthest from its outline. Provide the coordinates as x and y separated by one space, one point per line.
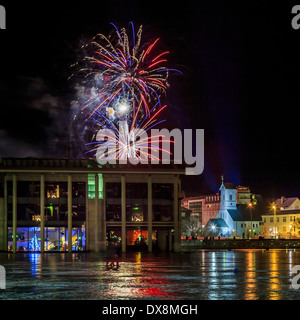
195 204
211 207
203 207
46 204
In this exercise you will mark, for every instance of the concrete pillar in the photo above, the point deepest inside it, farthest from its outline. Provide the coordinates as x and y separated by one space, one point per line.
104 214
14 209
42 211
87 217
162 239
149 213
97 229
176 217
123 212
170 240
70 210
5 240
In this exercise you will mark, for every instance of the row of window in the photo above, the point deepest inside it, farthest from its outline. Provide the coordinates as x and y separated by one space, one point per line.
280 219
139 213
57 190
140 190
53 212
134 237
254 225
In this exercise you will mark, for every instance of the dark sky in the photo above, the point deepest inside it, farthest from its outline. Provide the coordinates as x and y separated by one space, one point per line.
241 81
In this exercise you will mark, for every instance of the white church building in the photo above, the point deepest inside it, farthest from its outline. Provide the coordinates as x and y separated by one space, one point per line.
233 219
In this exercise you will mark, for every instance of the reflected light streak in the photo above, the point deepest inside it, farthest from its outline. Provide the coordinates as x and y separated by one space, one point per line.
35 260
274 274
251 285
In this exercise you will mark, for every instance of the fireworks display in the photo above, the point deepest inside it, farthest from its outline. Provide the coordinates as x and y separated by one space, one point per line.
125 80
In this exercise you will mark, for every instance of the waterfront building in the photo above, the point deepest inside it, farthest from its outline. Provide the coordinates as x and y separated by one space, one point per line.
283 220
79 205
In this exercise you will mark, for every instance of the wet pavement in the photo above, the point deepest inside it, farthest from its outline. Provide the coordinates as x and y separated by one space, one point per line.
200 275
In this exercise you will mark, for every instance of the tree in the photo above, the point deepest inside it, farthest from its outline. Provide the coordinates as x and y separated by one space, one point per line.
191 227
296 227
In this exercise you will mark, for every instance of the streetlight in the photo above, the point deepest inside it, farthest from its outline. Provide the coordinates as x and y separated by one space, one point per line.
290 231
250 206
274 208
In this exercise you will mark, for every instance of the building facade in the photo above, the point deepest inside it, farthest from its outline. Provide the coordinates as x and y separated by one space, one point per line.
243 195
47 204
196 205
211 207
283 221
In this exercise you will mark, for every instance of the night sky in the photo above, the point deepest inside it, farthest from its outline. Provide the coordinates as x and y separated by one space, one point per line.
241 82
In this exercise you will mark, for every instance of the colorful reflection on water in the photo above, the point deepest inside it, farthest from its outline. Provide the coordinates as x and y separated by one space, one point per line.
205 275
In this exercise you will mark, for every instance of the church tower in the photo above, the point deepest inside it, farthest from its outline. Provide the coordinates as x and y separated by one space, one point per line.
228 196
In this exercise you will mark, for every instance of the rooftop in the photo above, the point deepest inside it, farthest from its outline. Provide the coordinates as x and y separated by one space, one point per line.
194 198
219 223
229 186
285 202
283 212
12 165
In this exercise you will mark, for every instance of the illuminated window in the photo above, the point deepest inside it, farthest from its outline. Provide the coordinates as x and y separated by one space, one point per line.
91 186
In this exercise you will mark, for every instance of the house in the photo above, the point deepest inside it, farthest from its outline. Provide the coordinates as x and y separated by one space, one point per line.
283 220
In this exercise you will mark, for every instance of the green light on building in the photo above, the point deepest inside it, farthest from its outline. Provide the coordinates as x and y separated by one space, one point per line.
91 186
51 210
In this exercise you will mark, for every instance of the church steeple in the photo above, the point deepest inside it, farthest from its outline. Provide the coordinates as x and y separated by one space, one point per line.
228 195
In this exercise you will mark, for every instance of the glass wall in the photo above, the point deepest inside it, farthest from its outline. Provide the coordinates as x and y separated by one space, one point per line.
136 212
91 186
28 239
113 236
113 201
113 212
139 237
56 239
55 190
136 202
163 203
162 191
163 212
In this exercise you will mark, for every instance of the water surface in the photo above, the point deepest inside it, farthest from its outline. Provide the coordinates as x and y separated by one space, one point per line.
205 275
